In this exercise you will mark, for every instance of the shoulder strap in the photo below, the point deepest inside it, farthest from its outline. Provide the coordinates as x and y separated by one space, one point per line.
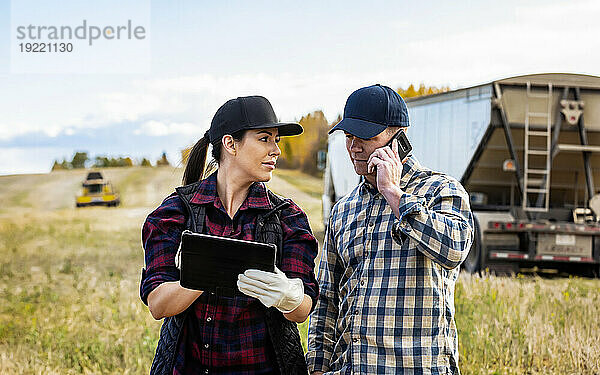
268 225
279 203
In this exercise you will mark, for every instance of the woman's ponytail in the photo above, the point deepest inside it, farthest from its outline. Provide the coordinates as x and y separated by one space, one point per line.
194 170
196 167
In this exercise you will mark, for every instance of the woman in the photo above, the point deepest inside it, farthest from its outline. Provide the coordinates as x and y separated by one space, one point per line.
252 334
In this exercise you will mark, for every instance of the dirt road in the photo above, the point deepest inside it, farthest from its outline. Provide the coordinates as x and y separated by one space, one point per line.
141 190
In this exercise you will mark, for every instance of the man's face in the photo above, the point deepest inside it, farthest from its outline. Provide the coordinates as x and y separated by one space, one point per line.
360 149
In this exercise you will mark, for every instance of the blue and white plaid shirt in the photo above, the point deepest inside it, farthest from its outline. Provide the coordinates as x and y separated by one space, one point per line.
387 286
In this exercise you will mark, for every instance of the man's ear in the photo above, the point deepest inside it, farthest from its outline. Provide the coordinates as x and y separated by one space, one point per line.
228 144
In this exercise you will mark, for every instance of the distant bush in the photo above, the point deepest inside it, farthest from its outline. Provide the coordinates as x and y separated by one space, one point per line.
163 161
81 160
103 162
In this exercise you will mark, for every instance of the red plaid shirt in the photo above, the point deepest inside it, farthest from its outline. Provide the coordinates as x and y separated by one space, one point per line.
226 335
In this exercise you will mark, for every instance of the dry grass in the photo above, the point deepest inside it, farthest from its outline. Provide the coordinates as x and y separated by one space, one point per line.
69 284
526 325
69 277
69 289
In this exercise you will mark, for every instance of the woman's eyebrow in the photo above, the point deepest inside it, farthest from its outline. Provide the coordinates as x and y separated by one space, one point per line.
264 131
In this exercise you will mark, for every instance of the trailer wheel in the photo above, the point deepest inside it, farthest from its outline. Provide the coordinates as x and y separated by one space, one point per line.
473 262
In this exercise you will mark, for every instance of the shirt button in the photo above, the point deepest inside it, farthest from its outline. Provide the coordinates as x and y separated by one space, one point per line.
206 346
362 283
371 223
355 339
208 319
206 371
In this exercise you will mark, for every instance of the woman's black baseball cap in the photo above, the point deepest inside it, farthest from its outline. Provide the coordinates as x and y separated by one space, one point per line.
248 112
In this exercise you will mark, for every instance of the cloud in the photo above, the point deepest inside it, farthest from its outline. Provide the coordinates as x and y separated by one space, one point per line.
158 129
291 94
551 38
533 39
584 12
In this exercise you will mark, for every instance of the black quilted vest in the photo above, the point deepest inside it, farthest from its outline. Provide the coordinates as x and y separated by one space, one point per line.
283 333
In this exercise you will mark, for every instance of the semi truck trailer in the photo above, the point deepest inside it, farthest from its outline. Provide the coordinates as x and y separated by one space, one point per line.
527 149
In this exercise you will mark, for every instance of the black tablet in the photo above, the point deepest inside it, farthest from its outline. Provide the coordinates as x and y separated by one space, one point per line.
212 264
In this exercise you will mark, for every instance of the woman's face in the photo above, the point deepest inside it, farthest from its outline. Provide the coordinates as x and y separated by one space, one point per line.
257 153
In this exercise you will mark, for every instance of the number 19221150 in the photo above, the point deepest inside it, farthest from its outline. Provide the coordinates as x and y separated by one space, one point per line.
46 47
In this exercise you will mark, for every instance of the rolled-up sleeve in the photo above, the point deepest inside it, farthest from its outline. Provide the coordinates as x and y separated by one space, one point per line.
161 234
300 249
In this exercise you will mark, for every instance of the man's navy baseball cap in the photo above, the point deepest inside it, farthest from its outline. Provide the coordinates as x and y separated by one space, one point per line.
248 112
370 110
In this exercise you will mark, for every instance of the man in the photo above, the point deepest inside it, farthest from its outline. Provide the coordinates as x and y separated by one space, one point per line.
391 255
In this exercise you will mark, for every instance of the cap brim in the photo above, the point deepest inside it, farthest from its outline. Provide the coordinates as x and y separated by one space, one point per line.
359 128
285 128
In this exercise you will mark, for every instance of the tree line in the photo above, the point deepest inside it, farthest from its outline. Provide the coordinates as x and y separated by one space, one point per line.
82 160
411 91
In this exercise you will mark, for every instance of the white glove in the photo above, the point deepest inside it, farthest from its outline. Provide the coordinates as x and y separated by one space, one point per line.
272 289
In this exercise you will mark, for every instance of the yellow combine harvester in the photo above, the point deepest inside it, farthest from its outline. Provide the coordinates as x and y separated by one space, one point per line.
97 192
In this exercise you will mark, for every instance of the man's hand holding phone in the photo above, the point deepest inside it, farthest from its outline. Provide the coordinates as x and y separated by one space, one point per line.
387 161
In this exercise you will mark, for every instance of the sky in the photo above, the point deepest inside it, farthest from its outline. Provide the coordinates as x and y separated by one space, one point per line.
140 98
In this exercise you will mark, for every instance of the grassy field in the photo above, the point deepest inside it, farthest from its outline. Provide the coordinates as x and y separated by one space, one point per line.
69 282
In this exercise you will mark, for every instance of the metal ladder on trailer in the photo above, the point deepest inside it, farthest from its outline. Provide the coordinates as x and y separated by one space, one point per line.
536 180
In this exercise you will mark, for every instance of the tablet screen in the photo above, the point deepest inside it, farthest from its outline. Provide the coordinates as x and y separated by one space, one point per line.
212 263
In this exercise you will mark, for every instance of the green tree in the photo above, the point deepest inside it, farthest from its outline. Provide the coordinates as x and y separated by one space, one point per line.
126 162
286 160
101 161
79 159
163 160
58 166
301 151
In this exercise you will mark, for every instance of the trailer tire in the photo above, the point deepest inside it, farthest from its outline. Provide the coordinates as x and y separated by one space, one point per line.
473 262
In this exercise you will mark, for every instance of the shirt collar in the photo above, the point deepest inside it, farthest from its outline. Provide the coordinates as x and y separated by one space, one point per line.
409 168
207 193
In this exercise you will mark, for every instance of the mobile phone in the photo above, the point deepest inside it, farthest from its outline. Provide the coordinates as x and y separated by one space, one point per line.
404 146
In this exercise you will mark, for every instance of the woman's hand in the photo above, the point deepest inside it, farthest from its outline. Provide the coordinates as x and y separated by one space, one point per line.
275 289
170 298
